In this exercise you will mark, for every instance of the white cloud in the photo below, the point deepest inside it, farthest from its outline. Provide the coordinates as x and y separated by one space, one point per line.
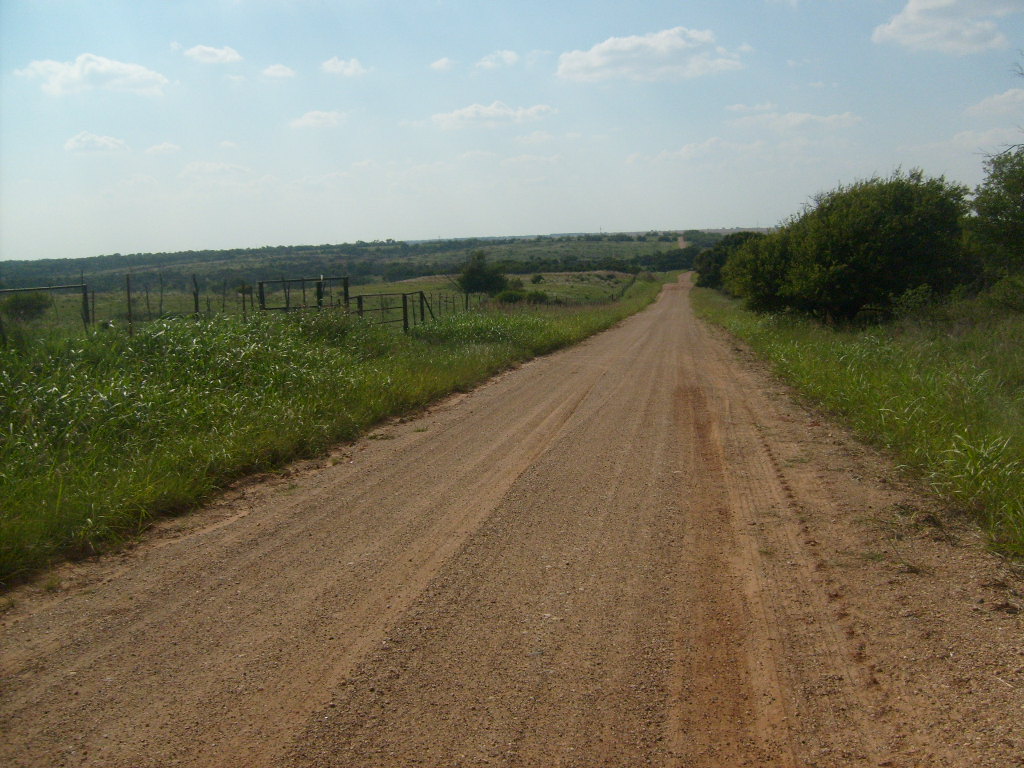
711 147
443 65
345 68
490 116
206 54
792 121
165 148
976 142
319 119
671 54
498 59
1007 103
537 137
90 142
950 26
279 70
764 107
531 160
89 72
213 173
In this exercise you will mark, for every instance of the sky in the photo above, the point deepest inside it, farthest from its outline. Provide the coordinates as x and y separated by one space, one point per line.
130 126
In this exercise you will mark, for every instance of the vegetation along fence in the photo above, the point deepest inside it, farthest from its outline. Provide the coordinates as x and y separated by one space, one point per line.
62 307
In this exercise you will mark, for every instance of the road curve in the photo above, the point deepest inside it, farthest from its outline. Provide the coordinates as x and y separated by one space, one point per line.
638 551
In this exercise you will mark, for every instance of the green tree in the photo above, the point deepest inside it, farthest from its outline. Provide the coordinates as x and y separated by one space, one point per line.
478 276
756 269
866 244
709 263
999 207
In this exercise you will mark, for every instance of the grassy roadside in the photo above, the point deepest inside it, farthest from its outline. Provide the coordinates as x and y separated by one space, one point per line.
99 434
942 391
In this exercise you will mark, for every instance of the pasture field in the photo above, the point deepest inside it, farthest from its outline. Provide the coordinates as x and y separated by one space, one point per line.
941 389
149 301
102 430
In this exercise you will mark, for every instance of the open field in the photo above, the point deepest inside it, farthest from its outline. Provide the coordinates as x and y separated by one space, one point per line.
149 301
638 551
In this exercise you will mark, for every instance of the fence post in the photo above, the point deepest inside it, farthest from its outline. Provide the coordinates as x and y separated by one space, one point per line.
320 293
85 305
405 312
263 296
344 288
128 291
359 305
195 293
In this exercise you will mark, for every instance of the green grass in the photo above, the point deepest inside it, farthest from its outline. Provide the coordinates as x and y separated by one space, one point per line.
944 392
102 431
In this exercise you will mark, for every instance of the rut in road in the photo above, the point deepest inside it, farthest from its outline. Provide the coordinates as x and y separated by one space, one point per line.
606 557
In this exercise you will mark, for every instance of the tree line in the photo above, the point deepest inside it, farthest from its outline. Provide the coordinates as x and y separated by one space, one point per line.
363 262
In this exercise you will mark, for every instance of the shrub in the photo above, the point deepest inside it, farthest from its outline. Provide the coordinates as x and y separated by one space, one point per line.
755 270
709 263
480 277
868 243
999 205
25 306
859 246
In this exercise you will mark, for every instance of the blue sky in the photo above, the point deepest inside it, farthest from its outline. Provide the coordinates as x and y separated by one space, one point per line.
132 125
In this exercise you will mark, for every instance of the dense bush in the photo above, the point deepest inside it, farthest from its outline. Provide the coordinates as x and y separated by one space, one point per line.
756 270
858 246
999 205
25 306
480 277
708 263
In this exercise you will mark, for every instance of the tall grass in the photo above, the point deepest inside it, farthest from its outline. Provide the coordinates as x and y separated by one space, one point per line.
100 432
944 391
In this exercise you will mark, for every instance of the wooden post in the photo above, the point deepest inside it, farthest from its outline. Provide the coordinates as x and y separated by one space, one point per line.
320 293
224 296
344 288
160 304
195 294
359 305
149 309
405 312
128 291
85 305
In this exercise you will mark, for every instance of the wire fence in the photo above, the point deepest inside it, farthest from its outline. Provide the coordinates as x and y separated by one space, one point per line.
63 308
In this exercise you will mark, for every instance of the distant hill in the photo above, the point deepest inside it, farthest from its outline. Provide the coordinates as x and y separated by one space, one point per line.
364 262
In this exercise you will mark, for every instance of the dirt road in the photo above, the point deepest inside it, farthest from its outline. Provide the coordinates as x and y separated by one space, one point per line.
635 552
